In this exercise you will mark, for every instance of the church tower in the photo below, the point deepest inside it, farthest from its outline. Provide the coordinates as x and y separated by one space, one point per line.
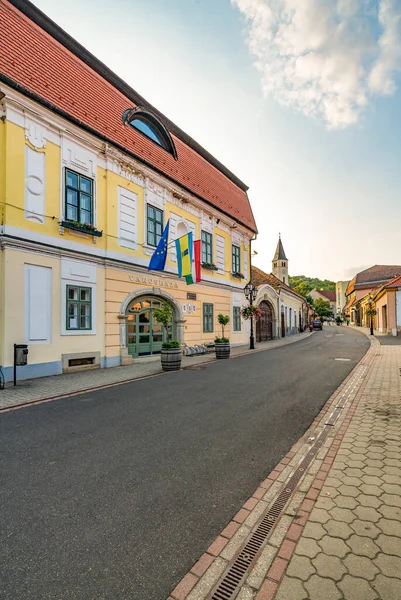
280 263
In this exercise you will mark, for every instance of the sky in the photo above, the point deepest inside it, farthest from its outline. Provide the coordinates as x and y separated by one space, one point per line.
301 100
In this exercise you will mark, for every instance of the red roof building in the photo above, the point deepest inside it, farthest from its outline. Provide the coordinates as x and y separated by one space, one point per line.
41 60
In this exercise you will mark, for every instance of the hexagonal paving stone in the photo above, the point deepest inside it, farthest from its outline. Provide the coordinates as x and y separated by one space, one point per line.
361 566
319 587
363 546
338 529
326 503
390 527
372 480
389 544
336 473
390 512
332 482
314 531
371 501
291 589
392 462
371 490
355 464
333 546
391 470
387 588
391 488
355 481
374 463
319 515
355 588
301 567
389 565
348 490
329 566
395 479
366 513
307 547
346 502
374 471
391 500
342 514
365 528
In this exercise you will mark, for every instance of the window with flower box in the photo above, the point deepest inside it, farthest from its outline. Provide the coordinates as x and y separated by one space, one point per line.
78 198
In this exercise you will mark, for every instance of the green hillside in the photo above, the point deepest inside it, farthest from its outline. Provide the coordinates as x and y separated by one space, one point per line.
303 284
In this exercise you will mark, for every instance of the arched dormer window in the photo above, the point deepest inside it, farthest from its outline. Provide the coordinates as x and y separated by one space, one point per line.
150 126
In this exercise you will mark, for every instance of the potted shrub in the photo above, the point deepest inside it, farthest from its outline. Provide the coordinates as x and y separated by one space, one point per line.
222 344
171 354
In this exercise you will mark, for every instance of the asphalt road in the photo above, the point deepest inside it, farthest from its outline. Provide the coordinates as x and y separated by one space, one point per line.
114 495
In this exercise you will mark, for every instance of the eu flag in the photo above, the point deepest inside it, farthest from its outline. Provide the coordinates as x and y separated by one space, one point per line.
158 260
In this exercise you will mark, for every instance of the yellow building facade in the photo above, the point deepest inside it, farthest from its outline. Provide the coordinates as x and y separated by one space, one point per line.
82 297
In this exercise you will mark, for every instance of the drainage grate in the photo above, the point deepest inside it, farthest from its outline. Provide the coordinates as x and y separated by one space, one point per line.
229 586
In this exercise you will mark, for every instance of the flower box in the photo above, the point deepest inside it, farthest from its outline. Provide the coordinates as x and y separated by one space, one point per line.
210 266
82 227
238 275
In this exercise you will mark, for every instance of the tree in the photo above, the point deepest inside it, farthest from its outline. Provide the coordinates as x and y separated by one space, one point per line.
323 308
312 283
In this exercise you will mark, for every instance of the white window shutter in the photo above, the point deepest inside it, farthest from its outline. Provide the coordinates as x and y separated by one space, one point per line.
38 304
220 252
246 256
127 218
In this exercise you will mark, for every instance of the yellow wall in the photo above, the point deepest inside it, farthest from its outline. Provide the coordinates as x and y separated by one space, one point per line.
14 298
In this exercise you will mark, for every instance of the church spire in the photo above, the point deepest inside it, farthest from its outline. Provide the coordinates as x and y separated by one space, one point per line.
280 254
280 262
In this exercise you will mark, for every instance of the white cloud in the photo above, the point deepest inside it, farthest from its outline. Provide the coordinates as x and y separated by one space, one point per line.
327 58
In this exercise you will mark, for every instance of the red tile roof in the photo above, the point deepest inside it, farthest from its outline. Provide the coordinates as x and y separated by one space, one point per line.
369 277
331 296
396 282
55 69
259 278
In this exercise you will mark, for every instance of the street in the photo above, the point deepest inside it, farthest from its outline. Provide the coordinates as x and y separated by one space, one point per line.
115 494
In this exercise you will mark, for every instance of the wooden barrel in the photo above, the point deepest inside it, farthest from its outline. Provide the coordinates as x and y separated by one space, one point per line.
222 350
171 359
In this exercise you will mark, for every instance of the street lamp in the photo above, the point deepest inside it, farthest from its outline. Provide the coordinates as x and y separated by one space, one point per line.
250 292
371 314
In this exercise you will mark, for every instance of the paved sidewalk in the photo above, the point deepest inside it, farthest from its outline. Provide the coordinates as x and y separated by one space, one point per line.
339 535
31 390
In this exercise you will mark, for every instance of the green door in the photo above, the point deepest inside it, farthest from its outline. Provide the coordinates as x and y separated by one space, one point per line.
144 335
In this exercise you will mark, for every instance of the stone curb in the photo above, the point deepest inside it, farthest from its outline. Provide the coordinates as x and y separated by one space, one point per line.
263 580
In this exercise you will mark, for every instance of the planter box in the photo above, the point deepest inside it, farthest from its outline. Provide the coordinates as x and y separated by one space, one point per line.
222 350
237 275
209 267
171 359
81 228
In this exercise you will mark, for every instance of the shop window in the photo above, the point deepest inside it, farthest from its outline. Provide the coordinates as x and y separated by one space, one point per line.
236 318
79 308
207 318
78 198
207 247
236 261
154 225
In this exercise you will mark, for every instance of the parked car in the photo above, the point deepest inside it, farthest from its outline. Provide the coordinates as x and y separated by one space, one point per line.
317 324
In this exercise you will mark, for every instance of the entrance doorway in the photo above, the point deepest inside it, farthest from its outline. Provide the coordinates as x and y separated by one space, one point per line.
144 335
264 325
282 323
